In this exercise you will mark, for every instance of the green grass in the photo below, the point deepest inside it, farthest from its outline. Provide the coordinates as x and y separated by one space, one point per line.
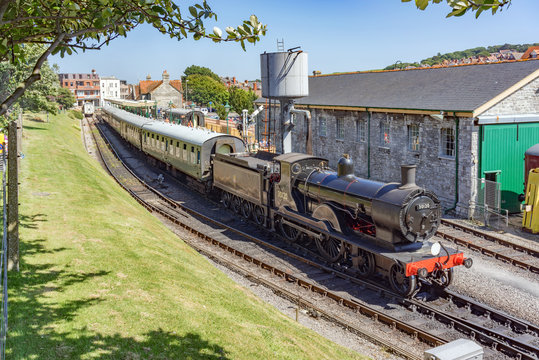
100 278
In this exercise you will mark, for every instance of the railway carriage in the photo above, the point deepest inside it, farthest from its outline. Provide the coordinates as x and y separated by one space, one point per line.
183 148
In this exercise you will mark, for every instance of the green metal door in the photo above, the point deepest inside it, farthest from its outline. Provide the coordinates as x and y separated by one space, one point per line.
502 150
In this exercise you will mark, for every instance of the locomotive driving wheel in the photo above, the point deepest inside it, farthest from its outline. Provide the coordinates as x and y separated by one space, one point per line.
258 215
235 204
404 285
365 263
290 233
225 199
330 248
246 209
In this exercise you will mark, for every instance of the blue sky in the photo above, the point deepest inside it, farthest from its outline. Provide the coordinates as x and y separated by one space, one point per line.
339 35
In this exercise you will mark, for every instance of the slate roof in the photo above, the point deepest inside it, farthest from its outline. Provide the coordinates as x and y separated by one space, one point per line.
456 88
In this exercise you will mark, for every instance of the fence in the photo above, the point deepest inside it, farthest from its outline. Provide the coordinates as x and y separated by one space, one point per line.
3 261
487 208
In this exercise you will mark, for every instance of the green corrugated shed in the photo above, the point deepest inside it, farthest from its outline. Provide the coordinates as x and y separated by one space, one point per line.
502 150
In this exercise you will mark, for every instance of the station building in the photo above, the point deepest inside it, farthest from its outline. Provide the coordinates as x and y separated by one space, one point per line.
460 125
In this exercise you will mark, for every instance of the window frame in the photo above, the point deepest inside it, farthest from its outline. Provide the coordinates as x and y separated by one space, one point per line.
322 125
383 142
339 129
361 136
443 143
417 136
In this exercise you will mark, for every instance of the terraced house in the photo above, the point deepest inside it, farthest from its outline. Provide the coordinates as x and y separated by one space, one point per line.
460 125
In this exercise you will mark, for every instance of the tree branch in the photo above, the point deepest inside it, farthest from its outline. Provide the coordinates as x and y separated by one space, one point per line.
35 76
3 7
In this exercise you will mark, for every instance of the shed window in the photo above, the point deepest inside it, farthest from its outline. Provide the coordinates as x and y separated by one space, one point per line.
447 142
340 129
413 137
361 133
322 127
384 134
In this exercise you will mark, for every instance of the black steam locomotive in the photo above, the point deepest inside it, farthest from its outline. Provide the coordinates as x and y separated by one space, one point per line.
370 227
373 227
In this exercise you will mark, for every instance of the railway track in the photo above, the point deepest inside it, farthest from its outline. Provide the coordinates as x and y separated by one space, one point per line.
499 332
515 254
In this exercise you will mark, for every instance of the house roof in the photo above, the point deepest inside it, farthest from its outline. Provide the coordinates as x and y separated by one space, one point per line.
176 84
456 88
147 86
529 51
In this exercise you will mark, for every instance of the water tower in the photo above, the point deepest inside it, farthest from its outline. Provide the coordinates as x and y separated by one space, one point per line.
285 78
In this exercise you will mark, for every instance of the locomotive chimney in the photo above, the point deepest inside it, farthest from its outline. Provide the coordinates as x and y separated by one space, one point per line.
408 176
345 166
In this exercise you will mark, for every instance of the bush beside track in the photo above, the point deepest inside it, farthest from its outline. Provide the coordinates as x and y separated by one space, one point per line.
102 278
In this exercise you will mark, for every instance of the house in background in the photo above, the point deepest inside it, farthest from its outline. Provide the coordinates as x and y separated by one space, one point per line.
85 87
110 88
165 91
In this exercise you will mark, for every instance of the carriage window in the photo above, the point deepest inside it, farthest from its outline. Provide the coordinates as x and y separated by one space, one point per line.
193 160
198 157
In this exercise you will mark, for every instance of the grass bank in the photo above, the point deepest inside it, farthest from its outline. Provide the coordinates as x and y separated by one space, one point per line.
102 279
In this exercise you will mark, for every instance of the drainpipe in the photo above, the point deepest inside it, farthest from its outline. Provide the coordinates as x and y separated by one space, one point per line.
456 167
309 138
368 143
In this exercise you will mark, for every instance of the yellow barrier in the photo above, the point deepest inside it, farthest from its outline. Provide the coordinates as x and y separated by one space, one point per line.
530 218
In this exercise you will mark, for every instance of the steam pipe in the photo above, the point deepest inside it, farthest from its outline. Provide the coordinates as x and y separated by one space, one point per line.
309 138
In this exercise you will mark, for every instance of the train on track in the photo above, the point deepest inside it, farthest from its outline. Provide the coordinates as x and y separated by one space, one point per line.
370 228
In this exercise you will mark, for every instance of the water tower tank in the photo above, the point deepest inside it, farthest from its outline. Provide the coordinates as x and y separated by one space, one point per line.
284 75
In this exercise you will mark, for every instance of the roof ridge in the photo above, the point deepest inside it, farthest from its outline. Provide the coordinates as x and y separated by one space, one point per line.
420 68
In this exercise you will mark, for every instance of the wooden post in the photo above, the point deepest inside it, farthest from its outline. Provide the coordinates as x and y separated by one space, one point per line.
14 144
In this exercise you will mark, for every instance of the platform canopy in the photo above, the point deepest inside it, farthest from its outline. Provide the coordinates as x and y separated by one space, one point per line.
132 103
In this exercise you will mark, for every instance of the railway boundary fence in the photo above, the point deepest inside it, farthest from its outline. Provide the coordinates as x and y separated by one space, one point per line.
488 209
3 261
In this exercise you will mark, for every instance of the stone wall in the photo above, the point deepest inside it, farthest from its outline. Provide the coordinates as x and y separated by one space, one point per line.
164 94
523 101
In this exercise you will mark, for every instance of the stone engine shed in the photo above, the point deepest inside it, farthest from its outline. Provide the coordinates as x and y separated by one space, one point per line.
457 124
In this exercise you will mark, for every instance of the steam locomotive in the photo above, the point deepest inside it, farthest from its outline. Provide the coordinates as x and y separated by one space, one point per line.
372 228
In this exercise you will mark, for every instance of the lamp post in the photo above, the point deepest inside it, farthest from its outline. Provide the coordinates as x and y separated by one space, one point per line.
169 111
186 93
227 108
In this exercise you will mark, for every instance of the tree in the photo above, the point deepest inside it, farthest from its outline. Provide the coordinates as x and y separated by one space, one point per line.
65 98
221 111
40 96
203 89
240 99
200 70
66 26
461 7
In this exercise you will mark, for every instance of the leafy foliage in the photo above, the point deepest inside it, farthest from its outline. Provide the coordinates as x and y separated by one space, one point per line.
461 7
38 97
240 99
65 98
200 70
478 51
67 26
221 111
203 89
